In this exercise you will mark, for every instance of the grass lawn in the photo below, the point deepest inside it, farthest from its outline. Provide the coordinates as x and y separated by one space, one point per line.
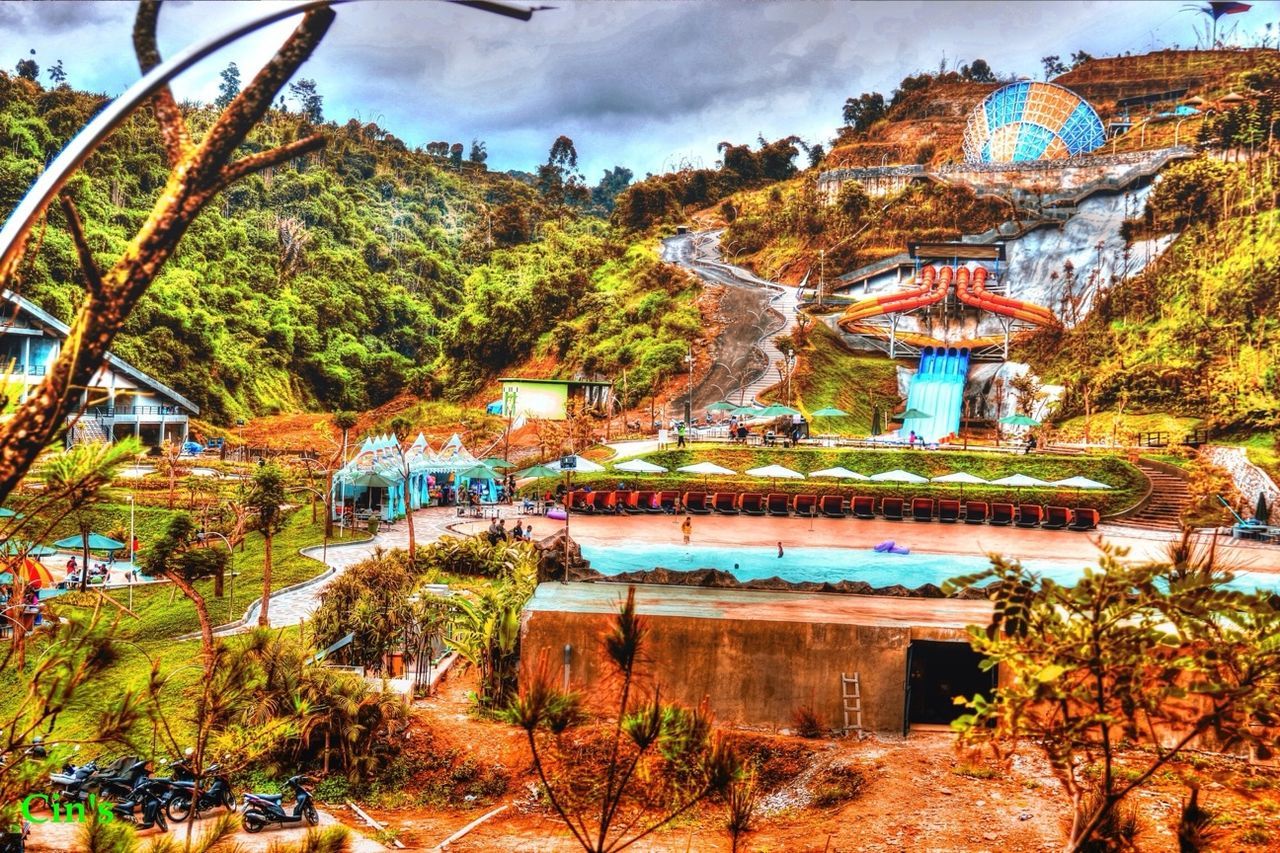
1106 423
830 374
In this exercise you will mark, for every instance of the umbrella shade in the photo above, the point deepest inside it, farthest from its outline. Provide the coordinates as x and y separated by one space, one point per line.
36 573
913 413
1019 420
584 466
838 473
775 472
776 411
97 542
898 476
478 472
705 468
831 412
639 466
722 406
5 512
1019 481
962 477
1080 483
14 547
747 412
369 480
495 462
538 471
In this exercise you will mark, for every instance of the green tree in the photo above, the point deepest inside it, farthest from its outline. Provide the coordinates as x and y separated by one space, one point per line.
28 69
863 111
229 88
612 183
345 421
1053 66
265 499
176 557
310 101
1080 58
1162 653
57 75
478 153
978 72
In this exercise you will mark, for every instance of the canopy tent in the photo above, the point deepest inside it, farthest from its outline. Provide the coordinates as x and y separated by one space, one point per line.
383 464
838 473
639 466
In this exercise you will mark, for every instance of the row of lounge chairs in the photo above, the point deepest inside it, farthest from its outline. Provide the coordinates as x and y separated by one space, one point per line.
835 506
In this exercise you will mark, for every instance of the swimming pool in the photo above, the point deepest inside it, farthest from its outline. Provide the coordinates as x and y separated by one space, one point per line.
752 562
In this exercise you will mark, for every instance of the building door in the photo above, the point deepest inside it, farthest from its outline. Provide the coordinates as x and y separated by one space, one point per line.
937 672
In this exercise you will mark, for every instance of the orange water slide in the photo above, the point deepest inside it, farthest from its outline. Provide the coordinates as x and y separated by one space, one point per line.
932 289
972 290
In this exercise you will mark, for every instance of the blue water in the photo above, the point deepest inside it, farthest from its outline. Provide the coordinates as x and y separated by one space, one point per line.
835 564
938 390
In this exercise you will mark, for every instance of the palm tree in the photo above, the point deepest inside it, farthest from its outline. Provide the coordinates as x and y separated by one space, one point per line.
265 499
78 478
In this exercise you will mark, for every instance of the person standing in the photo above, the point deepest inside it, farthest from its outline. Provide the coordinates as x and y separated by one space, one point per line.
686 529
680 435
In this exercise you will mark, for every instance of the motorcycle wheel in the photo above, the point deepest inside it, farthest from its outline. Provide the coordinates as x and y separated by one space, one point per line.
253 821
309 812
178 807
229 800
160 821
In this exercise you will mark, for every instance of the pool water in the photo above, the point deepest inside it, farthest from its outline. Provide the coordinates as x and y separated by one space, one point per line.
753 562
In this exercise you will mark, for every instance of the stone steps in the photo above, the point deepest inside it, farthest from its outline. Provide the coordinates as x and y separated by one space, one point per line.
1169 499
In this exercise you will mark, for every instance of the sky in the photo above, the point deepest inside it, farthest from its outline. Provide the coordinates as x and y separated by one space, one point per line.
646 84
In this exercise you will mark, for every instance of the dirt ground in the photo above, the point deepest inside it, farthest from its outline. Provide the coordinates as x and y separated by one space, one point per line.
920 794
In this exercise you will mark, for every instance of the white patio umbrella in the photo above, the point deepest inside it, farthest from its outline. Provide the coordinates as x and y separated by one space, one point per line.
1080 483
962 477
897 476
584 466
639 466
838 473
1019 482
774 472
706 469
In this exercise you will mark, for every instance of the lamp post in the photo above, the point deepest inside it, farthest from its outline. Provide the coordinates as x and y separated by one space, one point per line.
244 456
509 396
790 356
688 406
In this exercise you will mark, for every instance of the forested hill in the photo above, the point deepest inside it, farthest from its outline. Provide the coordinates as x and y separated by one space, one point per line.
339 280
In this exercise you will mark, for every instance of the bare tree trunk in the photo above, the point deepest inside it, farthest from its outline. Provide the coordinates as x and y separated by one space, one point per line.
408 517
263 620
202 613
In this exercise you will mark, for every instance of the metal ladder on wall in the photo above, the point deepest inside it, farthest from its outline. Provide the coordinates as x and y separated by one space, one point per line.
851 699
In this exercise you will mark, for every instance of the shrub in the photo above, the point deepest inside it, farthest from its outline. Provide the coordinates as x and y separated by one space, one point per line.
805 722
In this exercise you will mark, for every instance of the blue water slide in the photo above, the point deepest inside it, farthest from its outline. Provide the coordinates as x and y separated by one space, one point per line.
938 390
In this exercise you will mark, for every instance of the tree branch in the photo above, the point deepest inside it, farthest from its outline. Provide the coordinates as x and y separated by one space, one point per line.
92 275
265 159
173 128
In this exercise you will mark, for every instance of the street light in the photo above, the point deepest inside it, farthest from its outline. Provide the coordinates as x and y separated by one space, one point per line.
509 395
790 356
688 406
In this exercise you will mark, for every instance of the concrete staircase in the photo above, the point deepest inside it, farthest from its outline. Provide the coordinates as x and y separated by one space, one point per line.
1169 497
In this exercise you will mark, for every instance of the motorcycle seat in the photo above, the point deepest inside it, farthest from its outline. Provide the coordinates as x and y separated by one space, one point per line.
275 798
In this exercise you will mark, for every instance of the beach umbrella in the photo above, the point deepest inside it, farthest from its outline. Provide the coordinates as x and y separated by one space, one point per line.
774 473
897 476
777 411
706 469
1080 483
838 473
15 547
831 412
495 462
1020 482
5 512
961 477
639 466
721 406
584 466
538 471
913 413
1019 420
96 542
36 573
478 472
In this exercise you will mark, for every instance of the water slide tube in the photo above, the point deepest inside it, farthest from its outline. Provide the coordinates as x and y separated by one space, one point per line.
973 291
932 289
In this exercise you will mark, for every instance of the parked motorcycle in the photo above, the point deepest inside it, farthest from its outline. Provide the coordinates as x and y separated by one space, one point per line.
261 810
215 791
143 807
71 781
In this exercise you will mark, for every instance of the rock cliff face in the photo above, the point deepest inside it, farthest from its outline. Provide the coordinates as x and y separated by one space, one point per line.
551 557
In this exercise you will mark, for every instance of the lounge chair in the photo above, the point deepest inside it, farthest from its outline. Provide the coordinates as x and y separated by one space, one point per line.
1083 518
725 502
622 500
578 501
669 501
832 506
696 503
948 510
1001 515
1056 517
922 509
778 504
805 506
863 506
1029 515
647 502
975 512
752 503
891 508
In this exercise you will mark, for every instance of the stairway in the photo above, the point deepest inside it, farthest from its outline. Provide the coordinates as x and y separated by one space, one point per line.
1169 497
88 430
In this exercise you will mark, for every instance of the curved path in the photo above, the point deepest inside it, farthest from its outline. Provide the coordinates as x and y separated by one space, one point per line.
754 312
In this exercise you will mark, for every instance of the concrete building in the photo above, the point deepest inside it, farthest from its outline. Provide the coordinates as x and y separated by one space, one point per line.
758 655
120 400
548 399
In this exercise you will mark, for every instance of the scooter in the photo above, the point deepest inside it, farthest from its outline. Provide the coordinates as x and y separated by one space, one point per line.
143 807
215 791
71 781
263 809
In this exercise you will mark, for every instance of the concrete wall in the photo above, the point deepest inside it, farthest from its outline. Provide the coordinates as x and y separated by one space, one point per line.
753 672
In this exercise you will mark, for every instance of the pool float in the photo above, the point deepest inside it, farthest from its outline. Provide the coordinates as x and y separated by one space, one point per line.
557 514
890 547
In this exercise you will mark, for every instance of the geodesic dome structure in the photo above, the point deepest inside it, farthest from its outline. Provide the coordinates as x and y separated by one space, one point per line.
1031 121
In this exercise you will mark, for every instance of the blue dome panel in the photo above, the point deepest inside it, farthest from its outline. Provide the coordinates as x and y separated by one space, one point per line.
1035 115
